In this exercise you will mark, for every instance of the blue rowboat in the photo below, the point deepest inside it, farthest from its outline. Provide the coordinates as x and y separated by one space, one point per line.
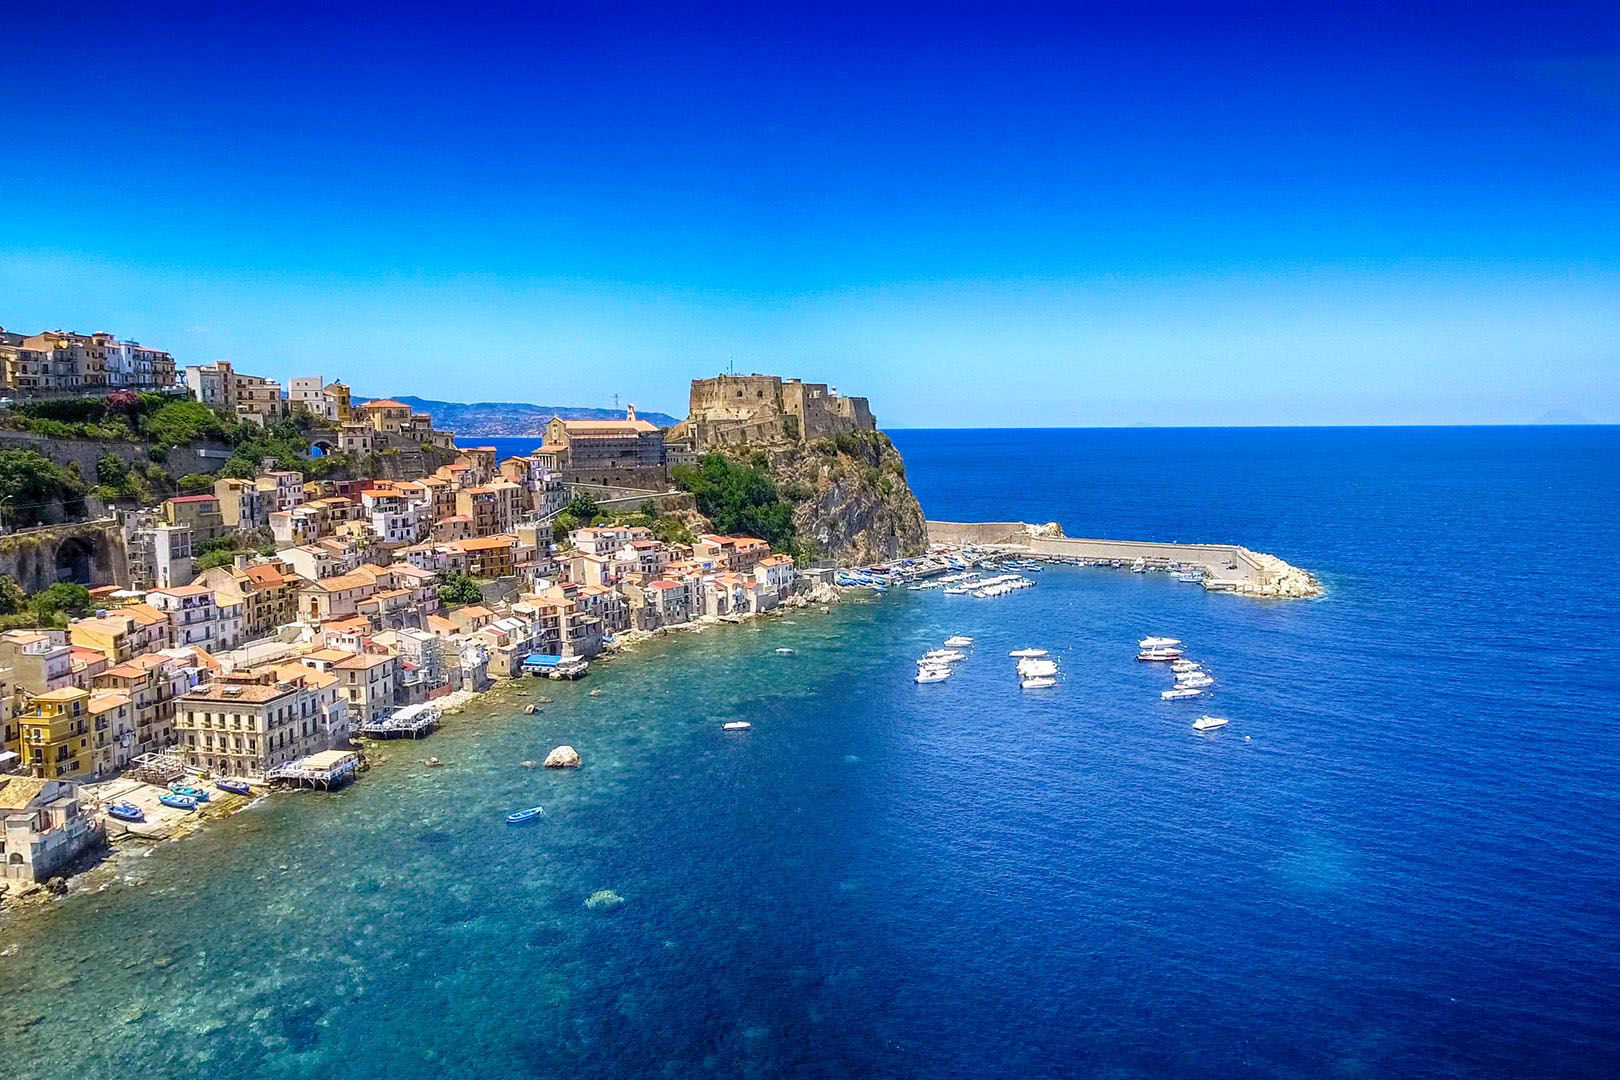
521 816
124 811
179 802
233 787
196 794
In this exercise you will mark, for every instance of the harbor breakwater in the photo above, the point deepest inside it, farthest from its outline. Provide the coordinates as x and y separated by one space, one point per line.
1227 567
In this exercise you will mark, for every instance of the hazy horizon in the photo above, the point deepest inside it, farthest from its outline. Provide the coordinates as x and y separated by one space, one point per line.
978 217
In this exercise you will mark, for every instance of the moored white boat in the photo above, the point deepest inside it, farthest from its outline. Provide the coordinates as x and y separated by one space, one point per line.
958 641
933 674
1160 654
1209 723
1039 682
942 656
1036 668
1184 665
1158 643
1027 652
1181 692
736 725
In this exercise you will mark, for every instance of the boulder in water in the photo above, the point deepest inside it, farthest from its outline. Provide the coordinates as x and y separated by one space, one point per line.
563 757
604 900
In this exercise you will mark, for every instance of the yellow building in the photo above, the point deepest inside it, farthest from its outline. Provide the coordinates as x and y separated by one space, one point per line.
56 734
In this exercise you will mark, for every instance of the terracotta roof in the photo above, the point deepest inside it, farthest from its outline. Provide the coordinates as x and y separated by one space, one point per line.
328 655
67 693
265 575
102 702
663 585
185 590
16 792
363 661
126 671
193 499
486 543
384 404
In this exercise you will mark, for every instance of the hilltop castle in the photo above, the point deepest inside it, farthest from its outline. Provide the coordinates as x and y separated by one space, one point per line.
729 410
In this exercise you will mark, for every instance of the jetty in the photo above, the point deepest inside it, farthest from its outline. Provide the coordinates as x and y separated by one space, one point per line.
1226 567
325 770
411 722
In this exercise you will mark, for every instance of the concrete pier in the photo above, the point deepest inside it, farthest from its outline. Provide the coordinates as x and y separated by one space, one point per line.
1228 566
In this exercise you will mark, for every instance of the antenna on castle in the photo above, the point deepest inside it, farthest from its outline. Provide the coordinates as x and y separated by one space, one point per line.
733 363
615 402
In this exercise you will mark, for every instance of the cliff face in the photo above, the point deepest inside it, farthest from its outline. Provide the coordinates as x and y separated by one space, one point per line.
850 499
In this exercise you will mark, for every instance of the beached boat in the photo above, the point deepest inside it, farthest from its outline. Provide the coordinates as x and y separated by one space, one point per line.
1158 643
1164 655
933 674
178 802
518 817
1038 683
1181 692
196 794
1209 723
1027 652
736 725
232 786
124 811
958 642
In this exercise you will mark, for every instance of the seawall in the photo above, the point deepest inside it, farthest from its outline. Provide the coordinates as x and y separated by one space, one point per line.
1228 566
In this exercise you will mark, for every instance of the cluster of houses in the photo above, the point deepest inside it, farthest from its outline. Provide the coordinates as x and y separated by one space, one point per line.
249 666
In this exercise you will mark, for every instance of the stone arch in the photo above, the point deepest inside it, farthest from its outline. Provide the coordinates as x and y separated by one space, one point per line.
74 560
16 858
323 445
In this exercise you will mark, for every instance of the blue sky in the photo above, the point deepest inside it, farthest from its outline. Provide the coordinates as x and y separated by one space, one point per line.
977 215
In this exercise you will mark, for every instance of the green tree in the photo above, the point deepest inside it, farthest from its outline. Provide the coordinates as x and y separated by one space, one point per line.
63 598
12 597
181 422
582 507
460 589
32 484
739 499
112 471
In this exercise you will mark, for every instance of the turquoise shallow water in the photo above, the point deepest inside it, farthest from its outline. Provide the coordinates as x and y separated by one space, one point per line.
1397 861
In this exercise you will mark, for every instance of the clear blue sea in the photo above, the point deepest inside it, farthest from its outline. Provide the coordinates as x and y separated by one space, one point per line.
1401 859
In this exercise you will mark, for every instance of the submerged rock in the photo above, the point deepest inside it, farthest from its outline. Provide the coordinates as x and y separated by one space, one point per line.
563 757
604 900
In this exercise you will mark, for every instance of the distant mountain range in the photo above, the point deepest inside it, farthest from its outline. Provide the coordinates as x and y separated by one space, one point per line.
510 418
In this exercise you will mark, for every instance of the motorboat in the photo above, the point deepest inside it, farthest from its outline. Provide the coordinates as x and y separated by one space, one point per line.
957 590
178 802
1037 668
933 674
1158 643
958 642
230 785
1027 652
736 725
1193 678
942 656
786 652
1184 665
196 794
1159 654
1181 692
1139 566
125 811
1209 723
519 817
1195 684
1038 683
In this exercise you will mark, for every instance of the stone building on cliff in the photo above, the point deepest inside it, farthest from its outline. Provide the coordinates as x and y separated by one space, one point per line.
730 410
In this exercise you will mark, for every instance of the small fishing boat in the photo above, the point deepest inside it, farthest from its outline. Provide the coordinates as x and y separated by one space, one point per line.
958 642
1039 682
432 762
736 725
125 811
1209 723
195 793
933 674
1027 652
518 817
786 652
232 786
1181 692
178 802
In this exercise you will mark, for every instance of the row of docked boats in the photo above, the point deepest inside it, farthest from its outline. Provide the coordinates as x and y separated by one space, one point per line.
1191 680
998 585
179 796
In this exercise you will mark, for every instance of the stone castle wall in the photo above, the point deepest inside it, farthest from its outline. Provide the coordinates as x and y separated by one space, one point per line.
731 410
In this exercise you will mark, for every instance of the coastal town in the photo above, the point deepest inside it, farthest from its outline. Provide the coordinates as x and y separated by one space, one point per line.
254 633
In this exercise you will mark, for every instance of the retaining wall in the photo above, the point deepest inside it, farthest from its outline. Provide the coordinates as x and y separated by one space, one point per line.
1227 562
